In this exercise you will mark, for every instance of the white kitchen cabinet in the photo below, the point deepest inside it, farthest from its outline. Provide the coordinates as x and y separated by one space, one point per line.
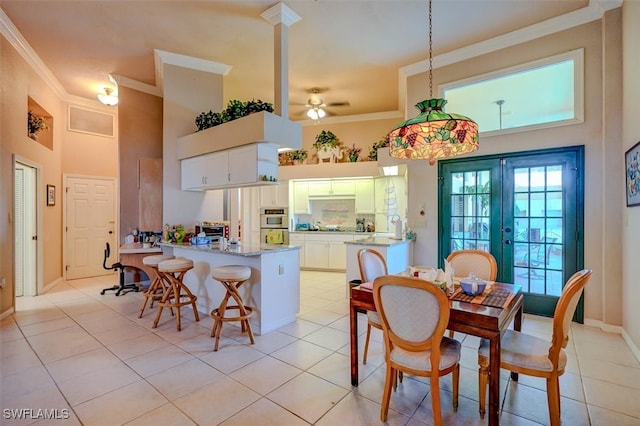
300 197
298 240
331 188
274 195
365 196
316 254
237 167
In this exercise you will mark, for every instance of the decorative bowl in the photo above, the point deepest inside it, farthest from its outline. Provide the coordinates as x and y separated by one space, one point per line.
200 241
473 286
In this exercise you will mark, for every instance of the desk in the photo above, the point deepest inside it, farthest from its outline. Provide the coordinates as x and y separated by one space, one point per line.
132 255
469 318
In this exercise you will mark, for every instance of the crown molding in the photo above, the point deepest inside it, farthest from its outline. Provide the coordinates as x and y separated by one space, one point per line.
594 11
137 85
162 57
280 14
24 49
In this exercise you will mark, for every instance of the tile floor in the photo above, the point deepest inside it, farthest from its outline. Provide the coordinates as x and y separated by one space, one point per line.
90 358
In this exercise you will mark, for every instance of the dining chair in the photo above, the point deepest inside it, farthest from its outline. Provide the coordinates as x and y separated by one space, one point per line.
372 265
478 262
414 315
533 356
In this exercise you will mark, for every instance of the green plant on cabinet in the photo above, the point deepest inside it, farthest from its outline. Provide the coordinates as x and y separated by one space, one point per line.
235 109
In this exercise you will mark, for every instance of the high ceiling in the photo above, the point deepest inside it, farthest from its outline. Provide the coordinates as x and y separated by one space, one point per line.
351 48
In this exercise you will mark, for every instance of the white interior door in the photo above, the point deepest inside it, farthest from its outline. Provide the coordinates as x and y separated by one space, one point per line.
91 223
25 230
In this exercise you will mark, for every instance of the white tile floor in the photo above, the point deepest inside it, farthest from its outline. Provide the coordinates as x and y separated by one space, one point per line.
91 357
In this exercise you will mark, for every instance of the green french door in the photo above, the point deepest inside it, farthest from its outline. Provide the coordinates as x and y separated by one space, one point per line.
524 208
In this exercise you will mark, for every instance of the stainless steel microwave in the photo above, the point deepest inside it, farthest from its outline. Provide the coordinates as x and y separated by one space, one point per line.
274 218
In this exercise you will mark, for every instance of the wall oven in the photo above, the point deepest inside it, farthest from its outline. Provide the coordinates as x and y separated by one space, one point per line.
274 226
274 217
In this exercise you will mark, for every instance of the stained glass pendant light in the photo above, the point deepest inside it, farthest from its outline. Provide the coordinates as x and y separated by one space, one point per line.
433 133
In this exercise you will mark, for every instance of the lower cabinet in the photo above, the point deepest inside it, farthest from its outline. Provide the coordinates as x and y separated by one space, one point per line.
325 251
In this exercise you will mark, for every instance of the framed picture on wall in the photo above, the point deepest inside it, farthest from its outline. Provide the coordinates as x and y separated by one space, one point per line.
632 172
51 195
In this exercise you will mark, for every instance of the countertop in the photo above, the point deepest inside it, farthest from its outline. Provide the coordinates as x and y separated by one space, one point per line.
333 232
378 241
137 248
234 249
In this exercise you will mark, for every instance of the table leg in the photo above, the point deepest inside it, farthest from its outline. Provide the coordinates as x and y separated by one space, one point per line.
494 380
353 321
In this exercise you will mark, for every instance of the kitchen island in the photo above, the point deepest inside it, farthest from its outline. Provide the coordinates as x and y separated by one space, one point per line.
397 253
273 289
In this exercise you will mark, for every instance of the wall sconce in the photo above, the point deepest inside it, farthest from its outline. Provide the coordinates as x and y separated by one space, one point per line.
108 98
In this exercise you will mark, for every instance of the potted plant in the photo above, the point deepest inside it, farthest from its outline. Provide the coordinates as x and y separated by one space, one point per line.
326 139
298 156
373 152
235 109
35 124
353 152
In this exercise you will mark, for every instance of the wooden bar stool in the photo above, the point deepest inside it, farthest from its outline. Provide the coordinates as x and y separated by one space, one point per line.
158 286
178 294
231 277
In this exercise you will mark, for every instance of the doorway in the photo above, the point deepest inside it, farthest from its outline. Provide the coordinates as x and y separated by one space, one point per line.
90 222
26 236
526 209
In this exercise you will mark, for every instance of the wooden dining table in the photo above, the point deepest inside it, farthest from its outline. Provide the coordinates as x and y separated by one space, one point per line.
465 317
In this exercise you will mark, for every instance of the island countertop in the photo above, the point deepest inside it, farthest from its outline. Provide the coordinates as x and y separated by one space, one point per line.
234 249
378 241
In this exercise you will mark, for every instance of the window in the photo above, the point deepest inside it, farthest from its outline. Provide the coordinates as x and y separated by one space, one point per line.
544 93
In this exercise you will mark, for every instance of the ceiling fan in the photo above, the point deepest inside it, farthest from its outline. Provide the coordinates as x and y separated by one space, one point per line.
316 107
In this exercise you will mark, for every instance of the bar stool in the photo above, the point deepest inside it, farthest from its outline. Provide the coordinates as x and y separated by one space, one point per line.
158 286
231 277
172 272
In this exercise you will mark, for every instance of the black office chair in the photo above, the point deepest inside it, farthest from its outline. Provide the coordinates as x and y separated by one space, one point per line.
117 266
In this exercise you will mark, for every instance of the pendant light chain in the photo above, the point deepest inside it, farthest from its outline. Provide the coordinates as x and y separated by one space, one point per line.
430 54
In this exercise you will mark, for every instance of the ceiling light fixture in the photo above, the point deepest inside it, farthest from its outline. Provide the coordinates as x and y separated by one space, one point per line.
108 98
316 113
433 133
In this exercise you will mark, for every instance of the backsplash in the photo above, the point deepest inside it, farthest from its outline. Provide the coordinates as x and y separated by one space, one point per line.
341 213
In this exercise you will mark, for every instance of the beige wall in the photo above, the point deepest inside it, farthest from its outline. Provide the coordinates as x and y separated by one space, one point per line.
139 136
631 135
72 153
601 301
361 133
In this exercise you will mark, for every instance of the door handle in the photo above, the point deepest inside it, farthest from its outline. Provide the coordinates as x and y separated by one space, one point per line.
507 242
110 232
34 238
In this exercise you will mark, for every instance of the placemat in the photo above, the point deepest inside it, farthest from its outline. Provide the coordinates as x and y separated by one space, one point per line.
491 297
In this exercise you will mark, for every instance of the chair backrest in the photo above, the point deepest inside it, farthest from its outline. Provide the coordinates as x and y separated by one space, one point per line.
371 264
107 253
481 263
565 309
414 313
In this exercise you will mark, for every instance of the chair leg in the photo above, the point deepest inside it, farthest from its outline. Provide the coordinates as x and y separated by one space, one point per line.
435 398
366 344
455 378
483 377
553 399
386 393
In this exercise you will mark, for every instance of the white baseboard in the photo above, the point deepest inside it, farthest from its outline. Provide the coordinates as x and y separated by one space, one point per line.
52 284
617 330
6 313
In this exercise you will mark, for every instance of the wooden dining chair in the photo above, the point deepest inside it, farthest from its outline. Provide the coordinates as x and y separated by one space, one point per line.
478 262
414 315
533 356
372 265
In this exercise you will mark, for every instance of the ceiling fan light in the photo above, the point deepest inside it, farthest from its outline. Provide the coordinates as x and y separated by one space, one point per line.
108 98
313 114
321 113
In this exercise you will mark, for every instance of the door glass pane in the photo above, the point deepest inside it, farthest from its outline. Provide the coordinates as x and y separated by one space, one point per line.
538 230
470 213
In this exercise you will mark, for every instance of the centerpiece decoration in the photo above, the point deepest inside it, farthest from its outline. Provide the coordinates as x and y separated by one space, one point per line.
235 109
327 147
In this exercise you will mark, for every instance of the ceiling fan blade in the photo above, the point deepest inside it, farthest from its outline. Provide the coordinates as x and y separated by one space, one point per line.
339 104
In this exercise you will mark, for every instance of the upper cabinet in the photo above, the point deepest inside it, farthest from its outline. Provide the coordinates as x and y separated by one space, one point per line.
332 188
365 196
249 165
300 197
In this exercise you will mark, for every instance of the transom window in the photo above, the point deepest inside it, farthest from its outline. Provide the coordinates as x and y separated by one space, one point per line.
544 93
